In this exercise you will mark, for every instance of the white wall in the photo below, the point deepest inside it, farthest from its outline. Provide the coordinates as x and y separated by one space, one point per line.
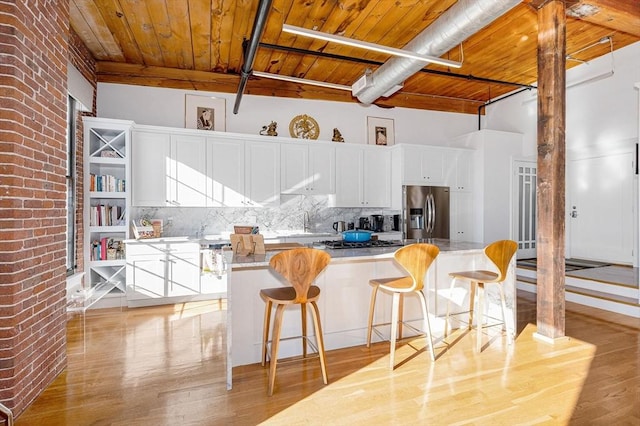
165 107
601 112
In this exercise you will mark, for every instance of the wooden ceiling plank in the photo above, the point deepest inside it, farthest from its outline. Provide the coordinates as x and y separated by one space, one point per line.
170 19
140 24
243 18
222 18
88 23
277 16
315 18
345 22
116 21
619 15
203 41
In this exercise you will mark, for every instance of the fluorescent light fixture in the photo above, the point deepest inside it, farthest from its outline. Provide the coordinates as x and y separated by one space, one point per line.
301 80
368 46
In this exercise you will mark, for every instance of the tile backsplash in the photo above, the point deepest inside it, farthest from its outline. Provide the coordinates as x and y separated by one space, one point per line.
199 221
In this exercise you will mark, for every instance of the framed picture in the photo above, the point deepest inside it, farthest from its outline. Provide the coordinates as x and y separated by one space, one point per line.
380 131
205 113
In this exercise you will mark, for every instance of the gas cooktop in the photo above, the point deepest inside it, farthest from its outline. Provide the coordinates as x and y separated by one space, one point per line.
340 244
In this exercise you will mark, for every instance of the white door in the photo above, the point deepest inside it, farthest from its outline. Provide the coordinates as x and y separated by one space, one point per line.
525 173
601 208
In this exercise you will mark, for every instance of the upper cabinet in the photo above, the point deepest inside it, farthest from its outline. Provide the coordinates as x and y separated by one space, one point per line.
187 169
225 172
262 174
423 165
363 176
168 169
308 168
459 169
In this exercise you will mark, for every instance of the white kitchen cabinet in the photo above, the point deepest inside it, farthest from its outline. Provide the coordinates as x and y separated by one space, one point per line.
423 165
225 172
187 180
459 169
151 153
158 272
106 206
307 168
461 216
262 174
363 176
168 169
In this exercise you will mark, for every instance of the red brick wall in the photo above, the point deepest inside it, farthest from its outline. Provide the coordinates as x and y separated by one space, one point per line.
33 66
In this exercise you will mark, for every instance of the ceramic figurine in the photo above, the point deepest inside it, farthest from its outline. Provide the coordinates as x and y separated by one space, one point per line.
337 136
269 130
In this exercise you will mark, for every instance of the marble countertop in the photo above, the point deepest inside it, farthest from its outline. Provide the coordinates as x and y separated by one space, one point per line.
348 255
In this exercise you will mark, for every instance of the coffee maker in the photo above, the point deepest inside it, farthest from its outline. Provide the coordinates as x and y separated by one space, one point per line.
377 223
363 223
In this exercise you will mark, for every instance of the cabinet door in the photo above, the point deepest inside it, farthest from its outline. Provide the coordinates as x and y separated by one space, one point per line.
294 175
377 178
423 165
459 170
146 277
183 277
322 169
349 176
432 160
187 175
262 174
461 216
151 155
225 174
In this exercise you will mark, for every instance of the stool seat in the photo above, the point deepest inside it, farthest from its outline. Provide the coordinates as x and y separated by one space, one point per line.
287 295
299 267
500 254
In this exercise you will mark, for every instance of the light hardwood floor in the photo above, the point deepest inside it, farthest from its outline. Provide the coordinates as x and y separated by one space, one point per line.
164 366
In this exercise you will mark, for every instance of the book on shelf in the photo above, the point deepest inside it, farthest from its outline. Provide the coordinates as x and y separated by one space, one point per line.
106 215
106 183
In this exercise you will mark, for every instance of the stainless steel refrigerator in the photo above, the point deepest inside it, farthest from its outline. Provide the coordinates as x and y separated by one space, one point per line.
425 212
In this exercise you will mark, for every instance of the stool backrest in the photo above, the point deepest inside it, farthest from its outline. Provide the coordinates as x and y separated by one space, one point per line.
500 253
300 267
416 259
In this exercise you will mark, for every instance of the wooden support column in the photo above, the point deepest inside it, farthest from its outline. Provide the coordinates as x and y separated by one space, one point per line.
551 170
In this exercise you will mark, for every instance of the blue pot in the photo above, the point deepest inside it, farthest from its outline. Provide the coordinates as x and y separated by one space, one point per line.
358 236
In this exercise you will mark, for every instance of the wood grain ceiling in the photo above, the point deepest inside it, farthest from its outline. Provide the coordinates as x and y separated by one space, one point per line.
198 44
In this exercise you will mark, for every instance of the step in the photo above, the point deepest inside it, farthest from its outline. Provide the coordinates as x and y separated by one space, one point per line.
621 304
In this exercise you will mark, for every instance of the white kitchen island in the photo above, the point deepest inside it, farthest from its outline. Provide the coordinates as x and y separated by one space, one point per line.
345 297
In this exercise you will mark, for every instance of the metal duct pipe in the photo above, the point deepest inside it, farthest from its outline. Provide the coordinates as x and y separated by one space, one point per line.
250 54
457 24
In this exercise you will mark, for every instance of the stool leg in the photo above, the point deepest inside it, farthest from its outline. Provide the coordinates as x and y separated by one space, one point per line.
303 312
427 324
480 315
372 307
315 313
400 315
265 330
275 343
447 322
472 294
394 328
503 305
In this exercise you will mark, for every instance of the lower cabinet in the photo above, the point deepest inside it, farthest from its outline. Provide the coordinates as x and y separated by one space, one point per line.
159 273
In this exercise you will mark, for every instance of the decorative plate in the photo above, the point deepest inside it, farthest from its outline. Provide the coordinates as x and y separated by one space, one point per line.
304 127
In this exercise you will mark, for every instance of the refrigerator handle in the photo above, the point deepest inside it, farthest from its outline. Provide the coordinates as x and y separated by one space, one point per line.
427 214
433 213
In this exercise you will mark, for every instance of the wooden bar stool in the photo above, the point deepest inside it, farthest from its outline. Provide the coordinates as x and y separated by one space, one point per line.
500 254
299 267
416 260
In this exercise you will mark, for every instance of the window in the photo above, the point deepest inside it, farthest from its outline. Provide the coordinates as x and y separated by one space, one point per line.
71 185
